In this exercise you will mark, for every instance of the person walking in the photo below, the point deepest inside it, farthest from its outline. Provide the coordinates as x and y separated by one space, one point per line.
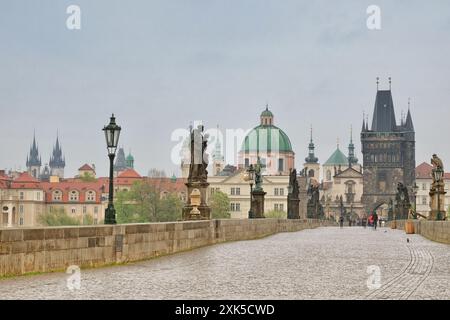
341 222
375 220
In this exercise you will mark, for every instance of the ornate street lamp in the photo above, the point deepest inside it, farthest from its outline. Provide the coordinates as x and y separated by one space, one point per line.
112 133
438 174
250 177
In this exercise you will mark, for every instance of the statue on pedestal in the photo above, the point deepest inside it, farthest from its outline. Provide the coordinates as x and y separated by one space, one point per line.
437 190
293 196
197 178
315 209
402 202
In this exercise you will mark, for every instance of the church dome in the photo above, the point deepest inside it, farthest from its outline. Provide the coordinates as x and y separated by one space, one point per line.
267 113
266 138
130 157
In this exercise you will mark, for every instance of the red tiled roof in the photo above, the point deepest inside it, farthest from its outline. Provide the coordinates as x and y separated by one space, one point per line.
25 181
168 184
129 173
423 171
67 186
86 167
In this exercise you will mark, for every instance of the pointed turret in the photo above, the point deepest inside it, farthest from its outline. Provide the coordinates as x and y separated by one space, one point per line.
351 150
409 126
311 158
34 160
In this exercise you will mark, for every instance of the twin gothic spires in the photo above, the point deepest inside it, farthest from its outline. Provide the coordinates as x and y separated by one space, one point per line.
34 161
384 114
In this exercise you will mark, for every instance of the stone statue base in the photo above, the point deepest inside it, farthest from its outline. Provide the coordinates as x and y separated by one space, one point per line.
258 204
437 195
293 208
188 210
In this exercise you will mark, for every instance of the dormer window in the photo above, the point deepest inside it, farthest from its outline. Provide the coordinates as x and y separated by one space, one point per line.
90 195
57 195
73 195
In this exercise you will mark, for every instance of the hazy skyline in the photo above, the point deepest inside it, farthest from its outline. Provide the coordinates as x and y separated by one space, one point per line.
159 65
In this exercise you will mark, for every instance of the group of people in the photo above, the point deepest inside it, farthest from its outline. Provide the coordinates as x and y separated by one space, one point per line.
371 221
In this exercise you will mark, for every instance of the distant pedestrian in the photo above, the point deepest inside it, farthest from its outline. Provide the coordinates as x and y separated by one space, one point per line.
375 220
341 222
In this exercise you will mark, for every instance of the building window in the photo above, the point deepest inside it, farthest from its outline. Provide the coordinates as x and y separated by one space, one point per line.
281 191
21 196
233 191
281 206
57 195
95 210
74 210
424 186
84 209
424 200
21 209
311 173
21 221
235 207
90 196
276 191
212 191
73 195
238 207
328 175
232 207
238 191
280 165
38 196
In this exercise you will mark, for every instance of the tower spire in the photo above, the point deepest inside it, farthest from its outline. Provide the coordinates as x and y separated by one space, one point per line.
378 82
311 158
351 150
390 83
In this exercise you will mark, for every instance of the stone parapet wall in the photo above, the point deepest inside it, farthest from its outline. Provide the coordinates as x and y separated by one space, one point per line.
28 250
438 231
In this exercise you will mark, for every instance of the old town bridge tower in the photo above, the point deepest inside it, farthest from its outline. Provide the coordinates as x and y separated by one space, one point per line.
388 152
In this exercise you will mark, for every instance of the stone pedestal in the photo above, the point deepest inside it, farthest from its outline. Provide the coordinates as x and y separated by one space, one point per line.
188 210
437 195
303 196
258 204
293 208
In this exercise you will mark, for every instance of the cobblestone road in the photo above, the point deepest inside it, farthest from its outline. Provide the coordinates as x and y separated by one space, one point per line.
323 263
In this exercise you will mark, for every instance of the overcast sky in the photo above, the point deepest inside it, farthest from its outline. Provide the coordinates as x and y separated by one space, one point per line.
161 64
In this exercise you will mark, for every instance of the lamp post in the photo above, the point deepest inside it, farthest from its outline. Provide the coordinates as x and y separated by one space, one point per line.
250 178
112 133
415 189
438 174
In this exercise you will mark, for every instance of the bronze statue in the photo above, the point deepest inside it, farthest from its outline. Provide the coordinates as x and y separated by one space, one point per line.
258 175
293 183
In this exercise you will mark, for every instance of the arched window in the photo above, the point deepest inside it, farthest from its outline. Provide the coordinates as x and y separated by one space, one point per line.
328 174
73 195
311 173
57 195
90 195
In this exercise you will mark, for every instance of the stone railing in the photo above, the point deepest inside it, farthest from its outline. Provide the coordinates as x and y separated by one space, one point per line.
27 250
438 231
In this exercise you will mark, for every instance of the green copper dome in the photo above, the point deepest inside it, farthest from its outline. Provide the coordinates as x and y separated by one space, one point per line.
267 113
266 138
130 157
337 158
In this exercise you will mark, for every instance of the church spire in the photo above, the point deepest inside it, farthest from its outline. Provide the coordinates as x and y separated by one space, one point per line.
351 150
56 159
409 123
311 158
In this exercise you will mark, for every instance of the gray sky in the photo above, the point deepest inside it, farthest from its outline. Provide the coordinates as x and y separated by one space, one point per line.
160 64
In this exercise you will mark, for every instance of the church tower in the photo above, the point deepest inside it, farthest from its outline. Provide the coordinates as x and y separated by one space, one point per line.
34 160
217 157
352 159
388 152
312 166
57 161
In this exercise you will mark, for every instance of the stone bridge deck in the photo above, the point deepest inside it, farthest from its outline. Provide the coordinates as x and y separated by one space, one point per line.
322 263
